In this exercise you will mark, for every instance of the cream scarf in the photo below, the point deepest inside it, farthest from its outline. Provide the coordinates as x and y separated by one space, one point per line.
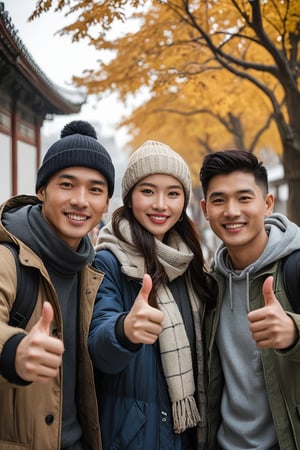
173 341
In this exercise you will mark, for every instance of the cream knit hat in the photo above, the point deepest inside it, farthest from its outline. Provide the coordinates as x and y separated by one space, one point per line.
154 157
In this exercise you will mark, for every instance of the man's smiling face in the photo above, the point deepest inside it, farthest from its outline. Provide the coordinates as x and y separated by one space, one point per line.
236 207
74 201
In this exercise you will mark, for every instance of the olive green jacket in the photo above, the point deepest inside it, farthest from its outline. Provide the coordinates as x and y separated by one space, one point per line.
281 369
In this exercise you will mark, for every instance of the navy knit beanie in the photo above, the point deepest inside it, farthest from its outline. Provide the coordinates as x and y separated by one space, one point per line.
77 146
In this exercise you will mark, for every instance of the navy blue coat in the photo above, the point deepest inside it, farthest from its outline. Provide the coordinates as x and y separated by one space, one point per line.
134 405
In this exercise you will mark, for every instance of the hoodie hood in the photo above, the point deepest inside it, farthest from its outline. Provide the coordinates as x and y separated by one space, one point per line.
284 238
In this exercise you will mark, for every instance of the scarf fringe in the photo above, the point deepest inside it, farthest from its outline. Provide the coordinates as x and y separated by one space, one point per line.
185 414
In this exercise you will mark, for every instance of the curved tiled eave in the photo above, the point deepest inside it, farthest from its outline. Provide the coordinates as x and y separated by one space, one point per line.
21 78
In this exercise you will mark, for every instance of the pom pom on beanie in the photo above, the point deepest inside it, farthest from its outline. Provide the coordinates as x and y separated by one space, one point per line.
77 146
155 157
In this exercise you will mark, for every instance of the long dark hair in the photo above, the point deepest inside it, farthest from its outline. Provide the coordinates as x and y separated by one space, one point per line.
145 243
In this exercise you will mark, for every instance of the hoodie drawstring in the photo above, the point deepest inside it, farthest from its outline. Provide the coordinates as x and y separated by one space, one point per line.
230 291
248 289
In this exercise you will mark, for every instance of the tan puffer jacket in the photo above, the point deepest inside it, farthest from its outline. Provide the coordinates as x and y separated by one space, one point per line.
30 416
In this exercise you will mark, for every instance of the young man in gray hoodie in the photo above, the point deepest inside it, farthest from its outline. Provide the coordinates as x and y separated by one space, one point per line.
252 337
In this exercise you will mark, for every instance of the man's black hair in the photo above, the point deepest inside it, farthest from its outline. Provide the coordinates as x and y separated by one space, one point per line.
228 161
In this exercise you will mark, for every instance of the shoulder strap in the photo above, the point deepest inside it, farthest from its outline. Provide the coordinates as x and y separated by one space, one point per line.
291 279
27 291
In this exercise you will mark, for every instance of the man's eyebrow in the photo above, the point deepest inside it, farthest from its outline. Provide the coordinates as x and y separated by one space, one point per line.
216 194
221 193
100 182
73 177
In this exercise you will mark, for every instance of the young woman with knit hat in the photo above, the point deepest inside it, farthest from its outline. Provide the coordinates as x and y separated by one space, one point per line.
145 338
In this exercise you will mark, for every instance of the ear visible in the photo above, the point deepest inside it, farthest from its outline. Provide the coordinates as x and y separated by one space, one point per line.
41 193
269 204
203 207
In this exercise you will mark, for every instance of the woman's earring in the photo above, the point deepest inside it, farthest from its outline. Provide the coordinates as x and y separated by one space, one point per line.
180 218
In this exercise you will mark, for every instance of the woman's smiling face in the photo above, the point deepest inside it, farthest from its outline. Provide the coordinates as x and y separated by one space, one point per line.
157 203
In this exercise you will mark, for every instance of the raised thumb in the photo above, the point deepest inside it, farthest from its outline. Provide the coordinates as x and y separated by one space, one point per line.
146 288
268 292
46 318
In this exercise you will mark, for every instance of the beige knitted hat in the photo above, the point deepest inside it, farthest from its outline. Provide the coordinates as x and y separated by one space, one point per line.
154 157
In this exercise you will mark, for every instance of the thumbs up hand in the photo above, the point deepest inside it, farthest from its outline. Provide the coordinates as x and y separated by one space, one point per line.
39 355
270 326
143 324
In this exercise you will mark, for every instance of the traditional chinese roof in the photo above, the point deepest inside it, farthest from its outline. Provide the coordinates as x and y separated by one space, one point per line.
22 79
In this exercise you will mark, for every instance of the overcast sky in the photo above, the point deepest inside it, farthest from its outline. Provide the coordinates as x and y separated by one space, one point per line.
59 59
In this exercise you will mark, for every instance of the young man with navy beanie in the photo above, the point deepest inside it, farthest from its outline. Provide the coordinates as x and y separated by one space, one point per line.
47 396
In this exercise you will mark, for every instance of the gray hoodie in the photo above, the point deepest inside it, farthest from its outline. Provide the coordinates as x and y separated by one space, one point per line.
247 422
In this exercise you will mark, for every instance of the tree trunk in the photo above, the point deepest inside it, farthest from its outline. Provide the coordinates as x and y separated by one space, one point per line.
291 164
293 210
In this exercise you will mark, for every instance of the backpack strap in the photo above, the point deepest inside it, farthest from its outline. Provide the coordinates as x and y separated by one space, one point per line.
291 279
27 291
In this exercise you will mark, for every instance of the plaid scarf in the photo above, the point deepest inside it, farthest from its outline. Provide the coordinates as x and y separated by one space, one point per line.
174 346
177 363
